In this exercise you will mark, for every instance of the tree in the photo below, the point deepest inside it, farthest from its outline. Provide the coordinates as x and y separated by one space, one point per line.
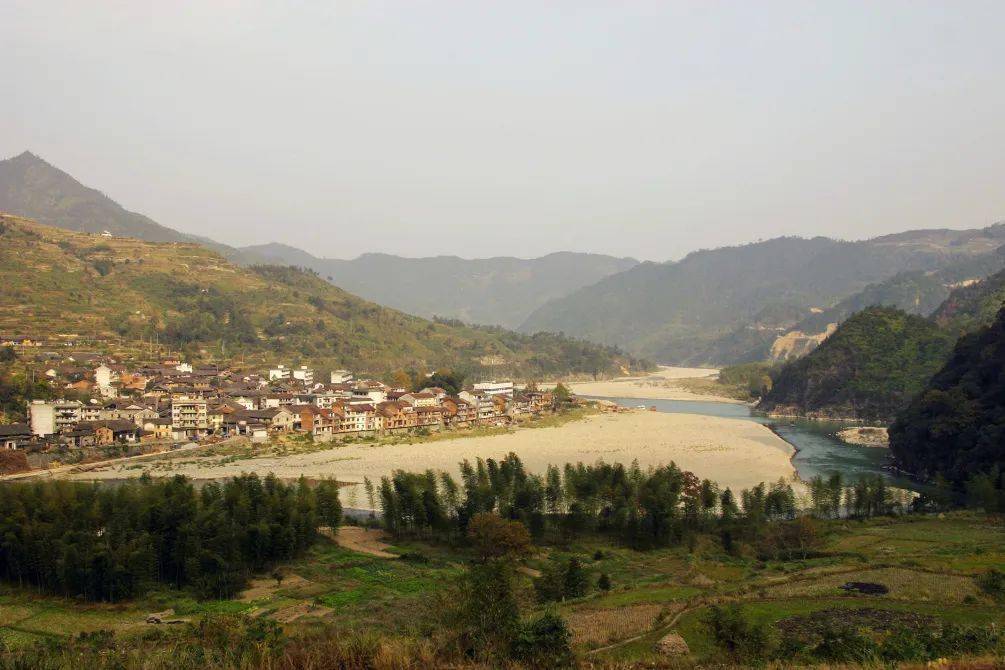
604 583
494 537
576 581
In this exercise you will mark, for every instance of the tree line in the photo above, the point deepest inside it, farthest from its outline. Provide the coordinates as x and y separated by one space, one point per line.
111 542
657 507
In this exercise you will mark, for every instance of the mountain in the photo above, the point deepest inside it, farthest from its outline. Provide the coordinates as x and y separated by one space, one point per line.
868 369
705 308
973 305
121 292
501 290
956 425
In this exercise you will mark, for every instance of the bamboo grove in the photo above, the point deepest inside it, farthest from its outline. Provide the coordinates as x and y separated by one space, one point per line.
110 542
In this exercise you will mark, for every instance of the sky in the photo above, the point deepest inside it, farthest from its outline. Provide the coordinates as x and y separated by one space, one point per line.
645 129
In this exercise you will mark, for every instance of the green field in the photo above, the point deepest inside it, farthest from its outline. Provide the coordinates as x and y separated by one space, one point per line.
928 564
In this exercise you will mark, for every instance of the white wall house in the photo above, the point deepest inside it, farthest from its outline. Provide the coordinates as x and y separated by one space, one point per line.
495 388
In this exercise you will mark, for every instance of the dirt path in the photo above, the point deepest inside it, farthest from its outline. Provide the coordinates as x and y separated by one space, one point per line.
364 540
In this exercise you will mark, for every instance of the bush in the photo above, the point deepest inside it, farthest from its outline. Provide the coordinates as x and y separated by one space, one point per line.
845 644
544 642
992 583
735 634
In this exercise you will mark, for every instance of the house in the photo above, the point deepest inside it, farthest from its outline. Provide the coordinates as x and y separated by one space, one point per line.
49 417
276 419
396 415
458 412
322 424
110 432
158 429
429 417
304 374
358 418
495 388
420 399
340 377
482 402
189 416
368 391
132 411
279 373
14 435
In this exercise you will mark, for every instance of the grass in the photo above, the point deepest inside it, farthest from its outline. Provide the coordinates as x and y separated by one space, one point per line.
399 598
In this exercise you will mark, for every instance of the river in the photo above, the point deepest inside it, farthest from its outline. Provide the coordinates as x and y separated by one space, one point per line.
818 451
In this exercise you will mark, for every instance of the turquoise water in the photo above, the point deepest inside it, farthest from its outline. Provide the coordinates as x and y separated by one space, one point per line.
818 451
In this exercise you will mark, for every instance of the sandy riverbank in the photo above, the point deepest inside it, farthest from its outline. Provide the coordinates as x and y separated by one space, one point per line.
660 385
733 452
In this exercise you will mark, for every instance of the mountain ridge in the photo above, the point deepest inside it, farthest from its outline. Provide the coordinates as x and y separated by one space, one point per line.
123 291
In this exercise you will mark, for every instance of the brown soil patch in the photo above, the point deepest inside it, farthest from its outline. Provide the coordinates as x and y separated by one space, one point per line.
364 540
602 626
266 586
294 612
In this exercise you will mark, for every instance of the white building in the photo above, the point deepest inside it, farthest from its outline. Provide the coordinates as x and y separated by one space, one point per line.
341 377
495 388
304 374
279 372
51 417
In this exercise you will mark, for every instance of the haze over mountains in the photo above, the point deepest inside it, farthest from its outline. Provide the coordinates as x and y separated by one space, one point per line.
729 305
773 299
501 291
498 291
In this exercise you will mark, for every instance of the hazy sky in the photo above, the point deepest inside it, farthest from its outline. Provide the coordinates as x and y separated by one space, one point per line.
489 128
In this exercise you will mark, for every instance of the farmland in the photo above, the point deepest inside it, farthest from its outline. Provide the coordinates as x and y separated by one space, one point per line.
928 565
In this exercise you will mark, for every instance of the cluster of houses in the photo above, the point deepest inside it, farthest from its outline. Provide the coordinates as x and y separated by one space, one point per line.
176 402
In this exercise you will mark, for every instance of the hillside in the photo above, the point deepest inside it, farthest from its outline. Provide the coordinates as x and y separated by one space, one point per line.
869 369
501 291
972 306
956 425
705 308
62 283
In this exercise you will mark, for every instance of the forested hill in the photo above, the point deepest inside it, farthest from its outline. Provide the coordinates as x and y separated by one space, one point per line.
869 369
973 306
709 307
500 291
956 426
123 290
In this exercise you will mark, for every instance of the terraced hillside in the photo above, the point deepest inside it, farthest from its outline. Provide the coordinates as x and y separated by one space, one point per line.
185 297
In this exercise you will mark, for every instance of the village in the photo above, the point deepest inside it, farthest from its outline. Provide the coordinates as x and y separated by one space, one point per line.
174 403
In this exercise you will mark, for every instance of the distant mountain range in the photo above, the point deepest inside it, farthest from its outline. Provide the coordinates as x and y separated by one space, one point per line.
499 291
732 304
123 292
502 290
776 299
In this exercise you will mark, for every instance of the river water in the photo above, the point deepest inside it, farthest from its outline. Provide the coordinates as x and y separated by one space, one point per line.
818 451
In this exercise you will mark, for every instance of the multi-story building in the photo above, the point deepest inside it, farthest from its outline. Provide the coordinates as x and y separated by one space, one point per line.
189 416
304 374
48 417
341 377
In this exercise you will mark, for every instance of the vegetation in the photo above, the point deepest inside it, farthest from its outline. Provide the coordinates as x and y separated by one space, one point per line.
97 543
714 305
869 369
956 426
170 297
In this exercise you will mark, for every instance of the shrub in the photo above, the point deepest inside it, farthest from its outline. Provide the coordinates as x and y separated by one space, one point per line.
544 642
735 634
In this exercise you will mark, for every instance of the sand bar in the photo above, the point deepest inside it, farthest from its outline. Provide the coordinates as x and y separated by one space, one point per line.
733 452
660 385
